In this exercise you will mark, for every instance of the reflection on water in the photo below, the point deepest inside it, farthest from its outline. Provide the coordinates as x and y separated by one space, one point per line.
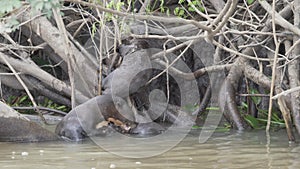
230 150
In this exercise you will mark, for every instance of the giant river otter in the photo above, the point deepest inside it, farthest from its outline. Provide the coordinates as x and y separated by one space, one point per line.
85 119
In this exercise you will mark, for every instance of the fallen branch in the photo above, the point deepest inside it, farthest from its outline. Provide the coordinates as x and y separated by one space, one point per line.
40 108
34 70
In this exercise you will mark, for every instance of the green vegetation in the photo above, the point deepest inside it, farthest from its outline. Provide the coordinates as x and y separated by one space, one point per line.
249 2
187 9
10 23
44 6
8 6
261 121
24 101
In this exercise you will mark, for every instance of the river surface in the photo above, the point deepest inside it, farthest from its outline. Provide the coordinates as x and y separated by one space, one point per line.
223 150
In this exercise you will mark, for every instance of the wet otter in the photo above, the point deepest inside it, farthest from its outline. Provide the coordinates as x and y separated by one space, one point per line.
84 120
81 121
133 73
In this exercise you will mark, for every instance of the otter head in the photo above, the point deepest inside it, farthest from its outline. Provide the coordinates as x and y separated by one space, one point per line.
71 129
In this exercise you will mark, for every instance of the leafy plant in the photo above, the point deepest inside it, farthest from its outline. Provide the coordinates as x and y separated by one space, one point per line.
179 11
8 6
253 122
44 6
50 104
188 7
19 101
163 8
276 121
9 24
113 5
255 99
249 2
259 123
195 4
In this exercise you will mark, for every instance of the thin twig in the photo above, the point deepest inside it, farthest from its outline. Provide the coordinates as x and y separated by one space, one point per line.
286 92
40 108
273 69
254 95
101 40
172 63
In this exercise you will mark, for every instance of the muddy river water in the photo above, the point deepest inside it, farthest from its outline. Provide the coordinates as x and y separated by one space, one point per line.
223 150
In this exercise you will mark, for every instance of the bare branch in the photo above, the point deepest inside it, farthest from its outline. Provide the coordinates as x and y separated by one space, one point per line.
144 17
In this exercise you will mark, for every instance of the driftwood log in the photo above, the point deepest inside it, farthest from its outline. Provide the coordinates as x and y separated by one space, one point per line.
17 128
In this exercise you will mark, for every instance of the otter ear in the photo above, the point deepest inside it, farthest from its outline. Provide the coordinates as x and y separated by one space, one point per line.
120 102
117 103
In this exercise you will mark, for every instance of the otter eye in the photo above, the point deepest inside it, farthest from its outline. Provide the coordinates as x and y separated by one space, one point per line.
117 103
83 133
